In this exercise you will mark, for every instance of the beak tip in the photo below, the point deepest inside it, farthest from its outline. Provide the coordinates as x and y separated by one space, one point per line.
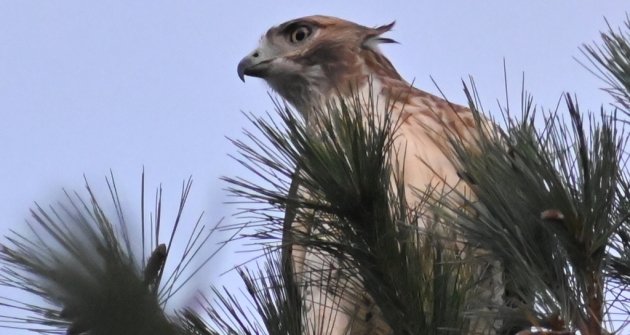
252 67
242 67
241 73
240 70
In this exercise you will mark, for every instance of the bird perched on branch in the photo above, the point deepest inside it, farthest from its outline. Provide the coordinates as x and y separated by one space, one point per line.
313 59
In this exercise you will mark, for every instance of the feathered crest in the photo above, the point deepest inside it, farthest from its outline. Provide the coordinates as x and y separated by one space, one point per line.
373 37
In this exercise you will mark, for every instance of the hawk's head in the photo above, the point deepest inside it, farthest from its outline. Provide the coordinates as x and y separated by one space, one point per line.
311 57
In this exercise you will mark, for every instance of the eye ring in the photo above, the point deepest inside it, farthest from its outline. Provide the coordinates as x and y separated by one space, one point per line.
300 34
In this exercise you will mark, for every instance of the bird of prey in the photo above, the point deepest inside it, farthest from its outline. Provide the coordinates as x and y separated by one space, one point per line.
312 59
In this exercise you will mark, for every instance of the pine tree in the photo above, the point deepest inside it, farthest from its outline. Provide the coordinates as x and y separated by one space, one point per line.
552 210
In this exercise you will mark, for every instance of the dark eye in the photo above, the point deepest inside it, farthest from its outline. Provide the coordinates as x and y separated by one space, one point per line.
299 34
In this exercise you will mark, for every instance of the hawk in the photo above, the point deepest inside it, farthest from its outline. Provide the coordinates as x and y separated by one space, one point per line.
313 59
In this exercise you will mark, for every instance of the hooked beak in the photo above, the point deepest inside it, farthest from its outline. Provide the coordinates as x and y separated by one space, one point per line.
252 65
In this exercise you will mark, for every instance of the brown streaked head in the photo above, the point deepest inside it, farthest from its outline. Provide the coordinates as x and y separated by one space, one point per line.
309 57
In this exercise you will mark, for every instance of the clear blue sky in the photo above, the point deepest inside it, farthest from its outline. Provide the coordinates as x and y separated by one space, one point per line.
89 86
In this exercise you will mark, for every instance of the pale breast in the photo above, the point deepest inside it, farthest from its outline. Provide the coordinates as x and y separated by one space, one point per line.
423 154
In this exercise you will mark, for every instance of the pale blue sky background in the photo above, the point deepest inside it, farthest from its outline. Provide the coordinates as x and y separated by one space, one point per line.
89 86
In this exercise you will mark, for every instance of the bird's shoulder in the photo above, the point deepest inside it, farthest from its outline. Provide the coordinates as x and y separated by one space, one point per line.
417 108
